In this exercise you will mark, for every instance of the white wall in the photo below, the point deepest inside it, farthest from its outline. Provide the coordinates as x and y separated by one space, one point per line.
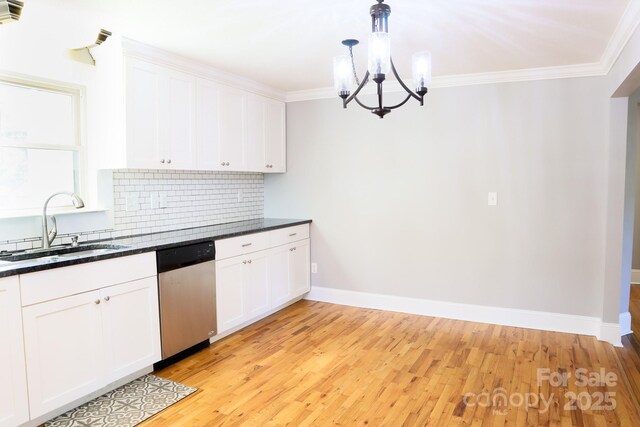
400 205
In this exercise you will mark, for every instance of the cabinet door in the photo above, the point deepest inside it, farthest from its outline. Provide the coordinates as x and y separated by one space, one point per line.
275 136
143 114
131 326
14 408
299 268
232 114
208 126
177 128
230 303
254 154
278 262
64 350
256 285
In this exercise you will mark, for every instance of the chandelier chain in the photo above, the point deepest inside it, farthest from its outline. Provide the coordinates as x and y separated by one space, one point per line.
353 66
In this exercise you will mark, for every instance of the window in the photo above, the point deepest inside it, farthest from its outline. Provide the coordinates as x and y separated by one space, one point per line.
40 143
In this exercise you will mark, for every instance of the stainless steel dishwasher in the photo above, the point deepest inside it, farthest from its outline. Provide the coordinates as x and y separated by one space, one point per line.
187 289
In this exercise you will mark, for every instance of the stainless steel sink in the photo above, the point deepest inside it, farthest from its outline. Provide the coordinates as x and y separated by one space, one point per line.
53 254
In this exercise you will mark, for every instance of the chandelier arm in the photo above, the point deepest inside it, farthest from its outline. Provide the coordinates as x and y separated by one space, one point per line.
404 86
379 89
364 106
400 104
354 94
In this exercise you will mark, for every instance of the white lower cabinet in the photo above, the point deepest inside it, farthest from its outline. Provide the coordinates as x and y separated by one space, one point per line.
88 326
252 284
299 268
130 324
64 349
14 406
230 295
242 289
289 273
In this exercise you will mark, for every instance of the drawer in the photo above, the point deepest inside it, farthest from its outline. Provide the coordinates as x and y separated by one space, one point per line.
234 246
75 279
282 236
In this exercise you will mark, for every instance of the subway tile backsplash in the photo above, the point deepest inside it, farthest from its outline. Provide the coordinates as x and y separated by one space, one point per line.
148 201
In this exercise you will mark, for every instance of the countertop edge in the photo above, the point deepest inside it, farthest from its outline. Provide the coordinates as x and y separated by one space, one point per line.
135 251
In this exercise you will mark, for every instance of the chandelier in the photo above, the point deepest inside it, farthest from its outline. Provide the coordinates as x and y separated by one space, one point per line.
379 65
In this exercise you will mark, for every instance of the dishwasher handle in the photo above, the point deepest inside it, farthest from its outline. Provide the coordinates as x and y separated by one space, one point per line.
184 256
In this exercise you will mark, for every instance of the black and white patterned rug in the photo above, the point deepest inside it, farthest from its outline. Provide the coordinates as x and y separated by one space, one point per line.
125 406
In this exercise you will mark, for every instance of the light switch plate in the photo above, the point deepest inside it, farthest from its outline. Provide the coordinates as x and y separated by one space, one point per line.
492 199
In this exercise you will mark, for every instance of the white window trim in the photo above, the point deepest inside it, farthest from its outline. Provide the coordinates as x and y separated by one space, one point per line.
79 96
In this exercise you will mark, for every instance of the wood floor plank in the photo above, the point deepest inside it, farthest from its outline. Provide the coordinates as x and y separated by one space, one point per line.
320 364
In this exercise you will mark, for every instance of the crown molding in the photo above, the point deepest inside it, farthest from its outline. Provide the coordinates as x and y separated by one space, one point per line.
546 73
135 49
627 25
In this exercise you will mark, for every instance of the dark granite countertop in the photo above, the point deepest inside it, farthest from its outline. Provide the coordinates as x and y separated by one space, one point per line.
152 242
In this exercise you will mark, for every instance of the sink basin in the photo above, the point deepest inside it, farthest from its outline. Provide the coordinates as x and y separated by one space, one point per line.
62 252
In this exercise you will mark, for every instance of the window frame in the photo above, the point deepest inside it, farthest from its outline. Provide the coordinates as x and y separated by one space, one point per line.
78 94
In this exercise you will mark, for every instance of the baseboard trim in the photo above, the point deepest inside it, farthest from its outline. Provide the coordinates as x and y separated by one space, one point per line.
635 277
546 321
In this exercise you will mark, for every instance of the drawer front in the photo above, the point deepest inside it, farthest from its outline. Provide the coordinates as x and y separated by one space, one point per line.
234 246
287 235
74 279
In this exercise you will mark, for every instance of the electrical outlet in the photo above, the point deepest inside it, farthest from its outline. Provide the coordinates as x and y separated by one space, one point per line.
154 200
240 196
162 200
131 203
492 199
314 267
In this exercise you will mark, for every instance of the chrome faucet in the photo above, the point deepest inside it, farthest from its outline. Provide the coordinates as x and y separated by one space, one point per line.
48 236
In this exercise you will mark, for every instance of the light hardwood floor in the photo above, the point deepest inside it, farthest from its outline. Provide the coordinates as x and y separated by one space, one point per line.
323 364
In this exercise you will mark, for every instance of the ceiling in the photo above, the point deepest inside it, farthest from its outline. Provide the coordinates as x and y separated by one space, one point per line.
289 44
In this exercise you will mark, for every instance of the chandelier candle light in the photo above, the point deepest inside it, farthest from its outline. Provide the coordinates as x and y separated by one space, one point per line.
379 64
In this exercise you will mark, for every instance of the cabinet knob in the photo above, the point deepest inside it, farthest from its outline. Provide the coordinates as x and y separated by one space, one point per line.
169 161
107 298
222 164
161 160
249 261
244 262
227 163
97 301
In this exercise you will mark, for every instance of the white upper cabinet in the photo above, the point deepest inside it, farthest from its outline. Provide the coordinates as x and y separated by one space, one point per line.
160 117
233 127
180 114
238 130
275 145
143 115
178 127
266 145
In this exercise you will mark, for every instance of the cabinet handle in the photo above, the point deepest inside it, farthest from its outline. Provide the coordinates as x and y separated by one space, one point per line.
107 298
227 163
161 160
169 161
291 249
292 234
246 244
222 164
244 262
249 261
97 301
